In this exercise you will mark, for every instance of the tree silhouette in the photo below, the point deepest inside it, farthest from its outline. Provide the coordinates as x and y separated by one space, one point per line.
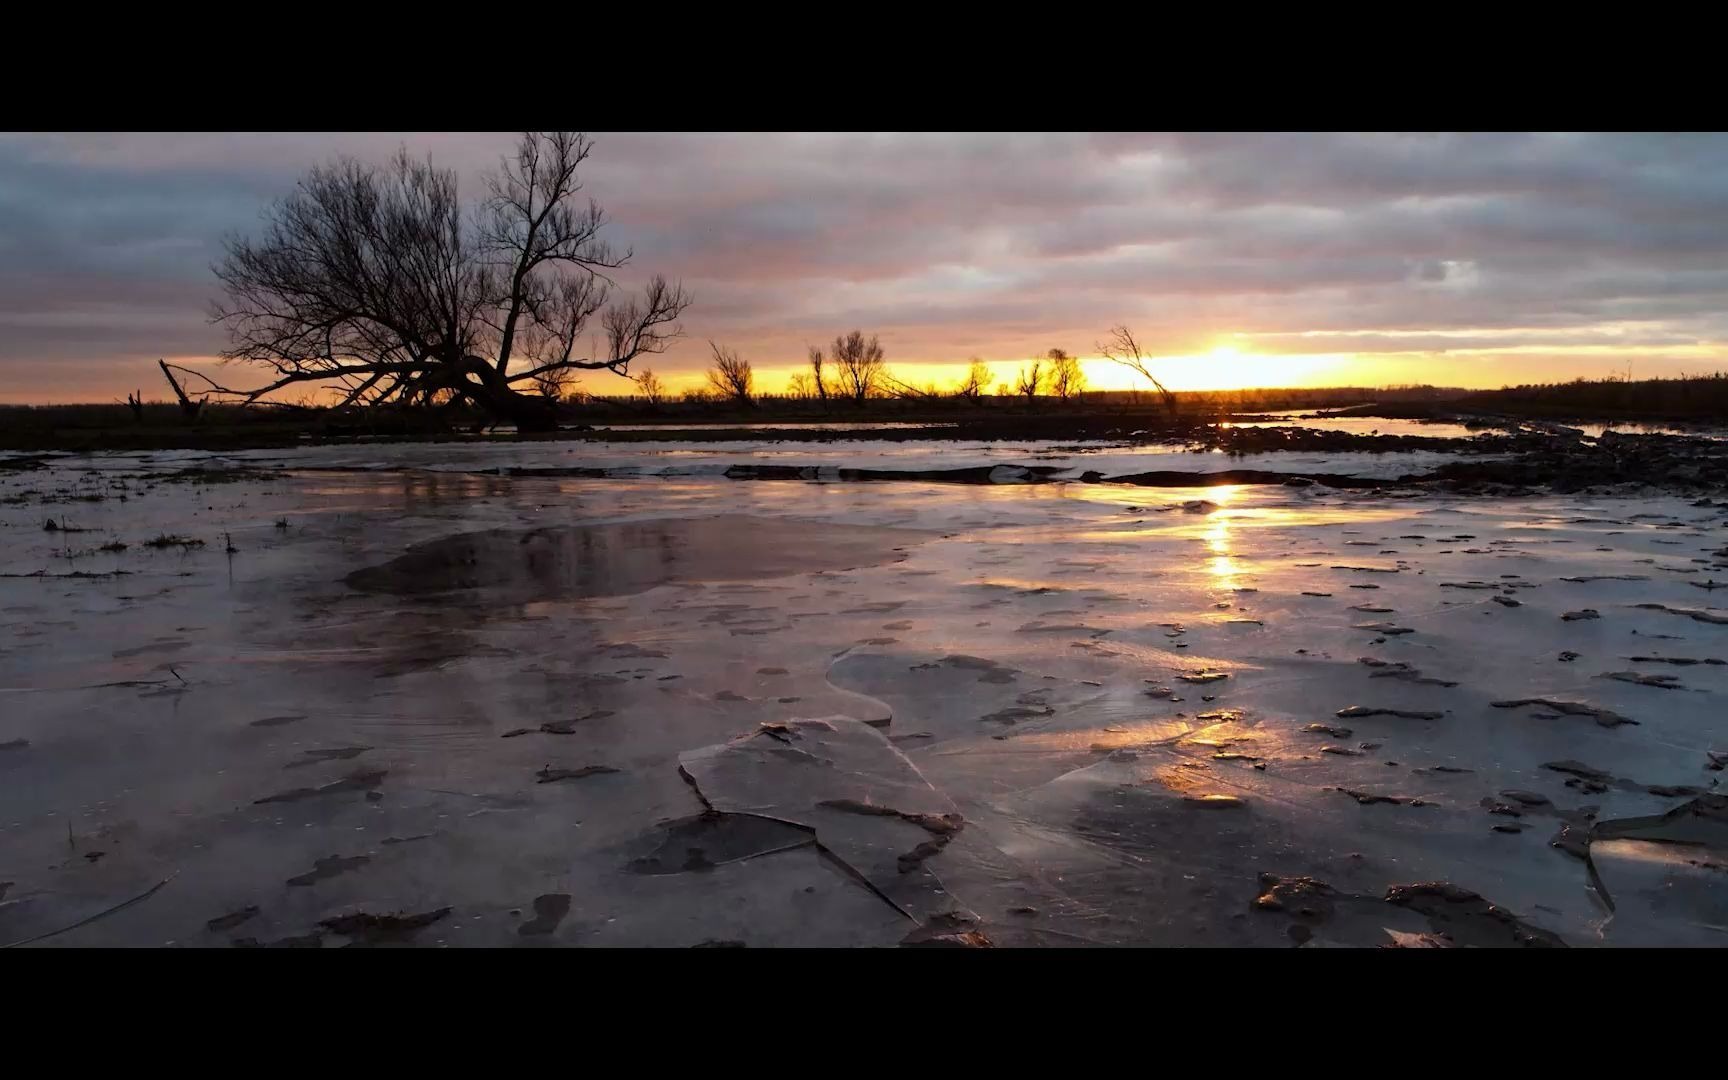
554 384
858 365
730 375
818 378
978 379
380 283
1122 347
650 386
1032 380
1066 378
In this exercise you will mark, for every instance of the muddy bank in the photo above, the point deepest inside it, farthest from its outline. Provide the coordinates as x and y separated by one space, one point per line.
1513 465
983 474
1232 477
1569 465
1130 428
623 559
1005 473
1137 430
1495 465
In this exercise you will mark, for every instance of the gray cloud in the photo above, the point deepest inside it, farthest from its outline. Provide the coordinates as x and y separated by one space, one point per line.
947 245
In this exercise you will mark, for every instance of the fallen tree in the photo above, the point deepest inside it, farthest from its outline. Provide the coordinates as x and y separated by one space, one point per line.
377 282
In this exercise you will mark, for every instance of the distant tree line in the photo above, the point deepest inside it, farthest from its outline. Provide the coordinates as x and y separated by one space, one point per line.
853 370
1686 397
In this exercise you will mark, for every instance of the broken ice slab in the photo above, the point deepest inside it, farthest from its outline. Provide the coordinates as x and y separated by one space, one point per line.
868 805
1666 874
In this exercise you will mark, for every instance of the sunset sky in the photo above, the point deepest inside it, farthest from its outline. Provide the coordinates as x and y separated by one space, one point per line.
1243 260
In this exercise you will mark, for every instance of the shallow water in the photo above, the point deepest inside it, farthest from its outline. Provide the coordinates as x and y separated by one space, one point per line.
1035 697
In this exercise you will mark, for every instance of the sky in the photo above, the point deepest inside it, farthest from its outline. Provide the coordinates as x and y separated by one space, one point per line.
1279 259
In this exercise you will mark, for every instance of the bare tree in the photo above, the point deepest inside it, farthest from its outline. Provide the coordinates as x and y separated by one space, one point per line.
189 408
650 387
818 377
859 365
798 386
379 283
1066 377
1033 378
135 402
730 375
978 379
554 384
1121 347
888 383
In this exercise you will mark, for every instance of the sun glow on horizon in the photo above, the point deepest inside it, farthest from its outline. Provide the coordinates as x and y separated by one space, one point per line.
1218 362
1223 367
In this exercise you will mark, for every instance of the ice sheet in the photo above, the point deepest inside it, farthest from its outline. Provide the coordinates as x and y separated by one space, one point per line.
258 733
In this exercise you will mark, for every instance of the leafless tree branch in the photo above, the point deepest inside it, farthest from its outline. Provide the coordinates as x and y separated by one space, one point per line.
378 281
858 364
1121 347
730 375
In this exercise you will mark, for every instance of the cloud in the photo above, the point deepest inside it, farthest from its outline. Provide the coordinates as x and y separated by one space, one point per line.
948 245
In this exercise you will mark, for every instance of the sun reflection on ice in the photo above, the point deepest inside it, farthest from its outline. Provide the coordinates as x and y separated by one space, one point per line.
1217 536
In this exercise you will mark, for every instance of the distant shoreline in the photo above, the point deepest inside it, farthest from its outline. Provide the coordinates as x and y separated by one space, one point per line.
1699 402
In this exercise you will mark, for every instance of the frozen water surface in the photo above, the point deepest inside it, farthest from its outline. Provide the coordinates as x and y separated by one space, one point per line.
662 707
666 459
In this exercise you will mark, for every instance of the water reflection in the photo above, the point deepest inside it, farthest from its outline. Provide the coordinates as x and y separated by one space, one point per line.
1217 537
621 558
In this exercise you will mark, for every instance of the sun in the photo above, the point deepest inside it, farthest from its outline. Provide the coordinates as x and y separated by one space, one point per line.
1226 365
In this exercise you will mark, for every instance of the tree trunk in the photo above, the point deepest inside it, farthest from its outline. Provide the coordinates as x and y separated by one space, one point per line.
188 407
487 388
